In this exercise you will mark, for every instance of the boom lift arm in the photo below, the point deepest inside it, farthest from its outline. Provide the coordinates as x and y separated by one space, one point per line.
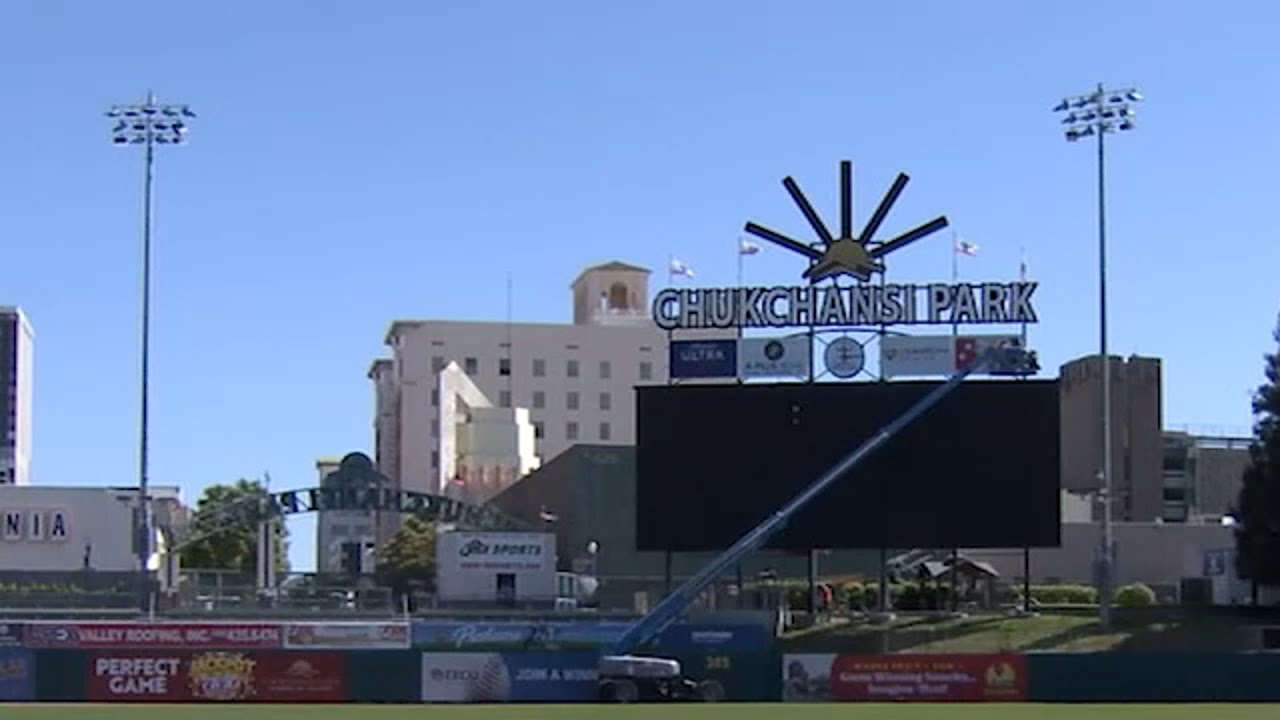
1005 360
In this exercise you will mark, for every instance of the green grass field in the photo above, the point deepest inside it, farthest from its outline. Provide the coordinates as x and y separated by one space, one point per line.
760 711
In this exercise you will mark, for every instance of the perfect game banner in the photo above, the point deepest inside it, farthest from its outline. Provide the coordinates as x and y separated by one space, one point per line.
582 635
216 676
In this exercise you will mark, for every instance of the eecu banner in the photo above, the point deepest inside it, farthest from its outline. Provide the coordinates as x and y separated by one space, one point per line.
347 636
177 636
216 676
17 674
581 634
918 678
545 676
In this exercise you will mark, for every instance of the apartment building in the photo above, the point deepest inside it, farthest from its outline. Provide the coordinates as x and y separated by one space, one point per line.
1202 475
576 380
16 377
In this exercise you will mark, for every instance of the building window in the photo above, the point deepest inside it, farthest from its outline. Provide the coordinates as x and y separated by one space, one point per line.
437 364
539 367
606 401
435 428
504 398
571 369
571 400
504 366
571 430
471 366
605 431
646 370
435 396
606 370
538 430
539 399
435 460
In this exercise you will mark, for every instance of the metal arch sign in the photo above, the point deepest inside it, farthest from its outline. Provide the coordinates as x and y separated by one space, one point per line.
383 499
862 304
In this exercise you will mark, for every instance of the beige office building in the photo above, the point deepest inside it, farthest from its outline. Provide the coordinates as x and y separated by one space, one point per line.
1136 432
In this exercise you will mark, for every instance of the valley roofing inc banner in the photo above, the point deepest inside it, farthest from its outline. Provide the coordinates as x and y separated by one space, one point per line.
183 636
744 358
932 355
904 678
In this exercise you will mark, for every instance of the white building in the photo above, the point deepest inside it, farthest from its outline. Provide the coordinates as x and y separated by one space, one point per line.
16 377
335 528
576 382
65 529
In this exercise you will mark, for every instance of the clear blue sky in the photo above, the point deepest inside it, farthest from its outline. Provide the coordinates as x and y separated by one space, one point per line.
356 162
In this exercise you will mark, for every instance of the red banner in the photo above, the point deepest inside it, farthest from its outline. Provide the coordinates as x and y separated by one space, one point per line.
175 636
947 678
216 676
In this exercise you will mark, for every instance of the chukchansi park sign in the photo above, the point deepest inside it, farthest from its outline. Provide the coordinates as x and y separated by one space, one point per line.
864 303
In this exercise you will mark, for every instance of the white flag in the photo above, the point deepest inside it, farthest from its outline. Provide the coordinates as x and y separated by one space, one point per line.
746 247
679 268
964 247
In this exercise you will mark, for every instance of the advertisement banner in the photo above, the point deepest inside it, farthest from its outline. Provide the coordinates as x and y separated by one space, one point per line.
17 674
904 678
177 636
216 676
580 634
774 357
704 359
465 677
933 355
11 635
346 636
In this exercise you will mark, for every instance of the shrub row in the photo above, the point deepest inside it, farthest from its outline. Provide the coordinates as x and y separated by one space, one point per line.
858 596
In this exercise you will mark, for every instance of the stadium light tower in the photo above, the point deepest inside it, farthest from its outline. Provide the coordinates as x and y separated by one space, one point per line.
146 124
1096 114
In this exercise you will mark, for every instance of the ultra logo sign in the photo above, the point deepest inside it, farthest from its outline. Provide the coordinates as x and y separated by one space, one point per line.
862 304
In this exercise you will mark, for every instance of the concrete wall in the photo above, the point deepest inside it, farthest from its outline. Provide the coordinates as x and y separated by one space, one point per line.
1154 553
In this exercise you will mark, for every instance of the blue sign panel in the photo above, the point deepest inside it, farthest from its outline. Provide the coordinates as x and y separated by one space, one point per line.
17 674
10 634
552 676
704 358
715 638
1215 562
460 635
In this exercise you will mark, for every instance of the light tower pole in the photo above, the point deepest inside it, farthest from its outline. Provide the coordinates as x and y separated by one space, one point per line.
147 124
1098 113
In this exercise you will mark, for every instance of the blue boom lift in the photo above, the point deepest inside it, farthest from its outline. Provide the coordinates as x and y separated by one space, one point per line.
626 677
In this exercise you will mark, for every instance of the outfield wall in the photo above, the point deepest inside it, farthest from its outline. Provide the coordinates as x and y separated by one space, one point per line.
379 663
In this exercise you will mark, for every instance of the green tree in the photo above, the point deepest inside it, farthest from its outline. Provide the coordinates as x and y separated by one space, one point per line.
1258 508
224 529
408 561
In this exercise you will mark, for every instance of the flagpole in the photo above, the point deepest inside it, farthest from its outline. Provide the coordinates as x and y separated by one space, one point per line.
1022 275
738 248
955 277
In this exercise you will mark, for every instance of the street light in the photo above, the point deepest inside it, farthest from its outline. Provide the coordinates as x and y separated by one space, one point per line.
147 124
1095 115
